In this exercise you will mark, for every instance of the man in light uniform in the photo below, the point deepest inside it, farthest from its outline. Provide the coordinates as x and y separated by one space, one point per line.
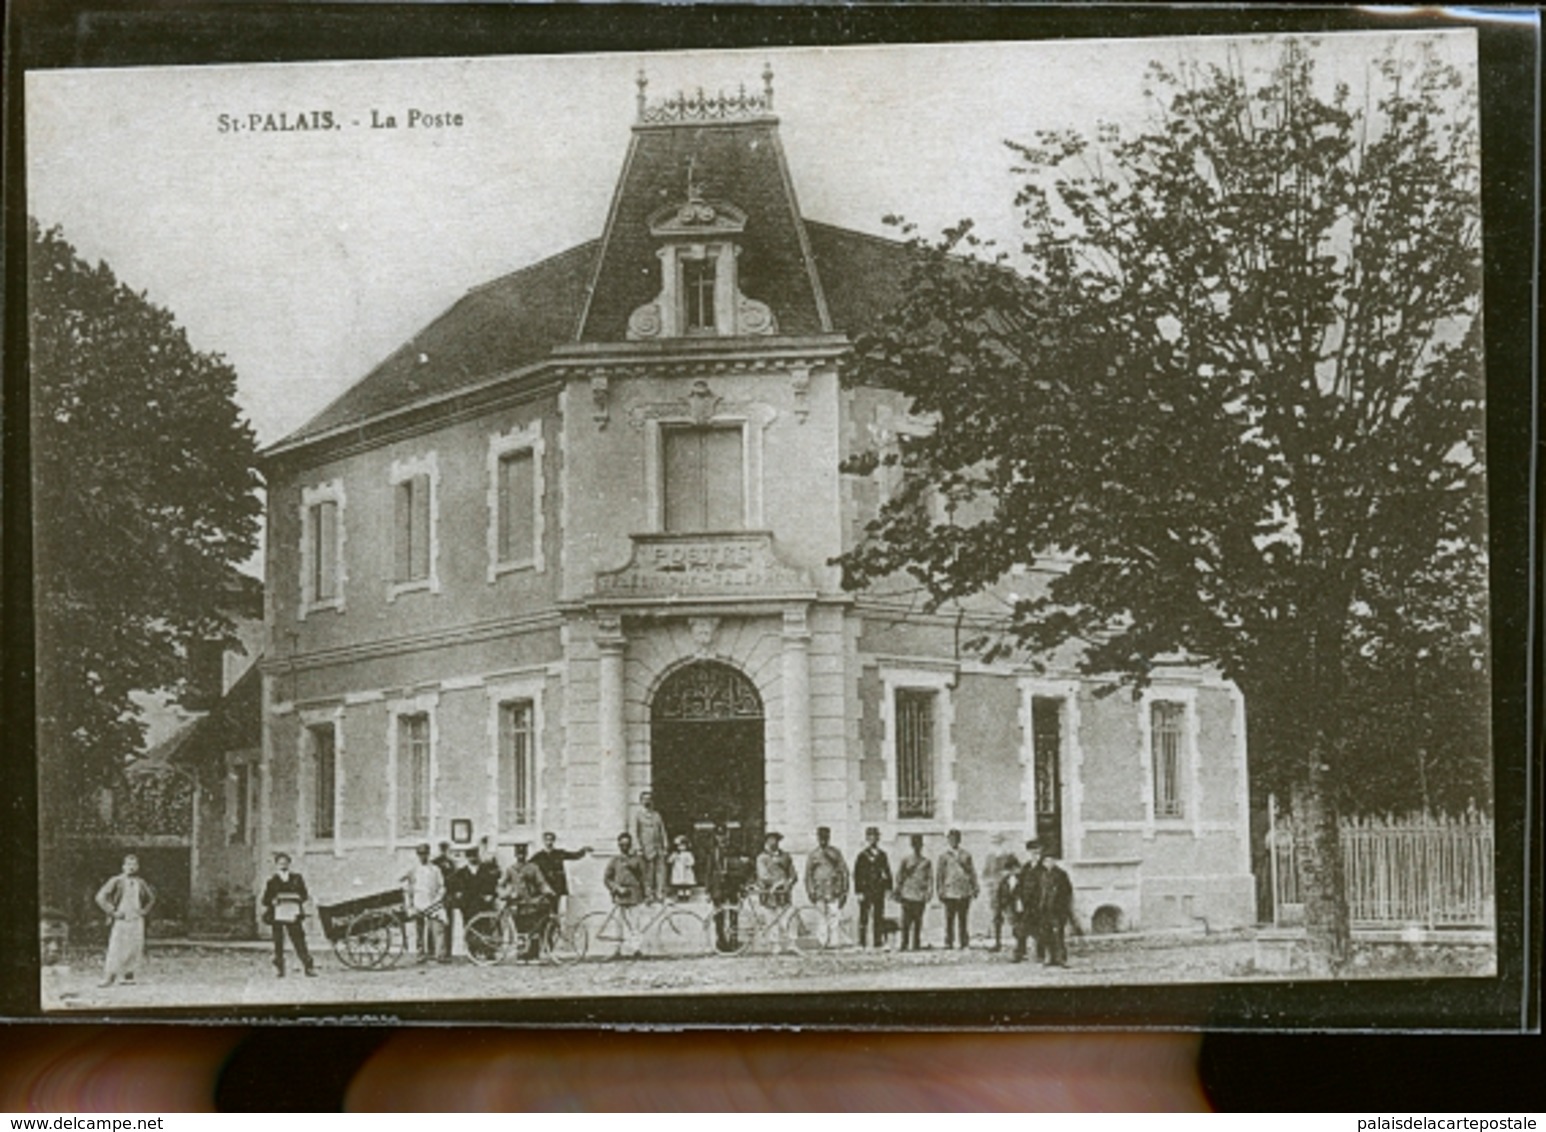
826 884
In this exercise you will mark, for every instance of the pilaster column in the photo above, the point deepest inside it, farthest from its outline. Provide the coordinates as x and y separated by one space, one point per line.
799 812
612 810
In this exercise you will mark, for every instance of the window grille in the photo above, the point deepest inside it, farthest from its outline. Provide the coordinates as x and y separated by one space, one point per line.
517 765
1168 726
413 774
915 753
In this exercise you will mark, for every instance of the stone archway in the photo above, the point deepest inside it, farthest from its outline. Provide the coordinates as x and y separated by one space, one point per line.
707 762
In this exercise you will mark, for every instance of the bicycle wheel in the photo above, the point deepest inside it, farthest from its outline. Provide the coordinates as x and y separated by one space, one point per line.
682 933
367 940
807 930
603 935
564 943
487 937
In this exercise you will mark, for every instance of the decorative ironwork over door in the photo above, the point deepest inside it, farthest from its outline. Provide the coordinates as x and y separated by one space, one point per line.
706 692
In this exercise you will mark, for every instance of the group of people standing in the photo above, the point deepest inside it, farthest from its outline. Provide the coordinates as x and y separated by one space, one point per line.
1035 897
447 891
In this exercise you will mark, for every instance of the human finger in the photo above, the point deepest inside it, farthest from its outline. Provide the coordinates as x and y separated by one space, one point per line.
493 1070
70 1068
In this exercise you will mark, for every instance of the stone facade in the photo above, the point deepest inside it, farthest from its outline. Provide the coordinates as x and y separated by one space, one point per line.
575 541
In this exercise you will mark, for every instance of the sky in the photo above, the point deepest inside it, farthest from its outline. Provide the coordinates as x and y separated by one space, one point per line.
306 257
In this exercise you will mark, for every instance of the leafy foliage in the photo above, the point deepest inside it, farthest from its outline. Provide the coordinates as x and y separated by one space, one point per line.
1232 381
145 502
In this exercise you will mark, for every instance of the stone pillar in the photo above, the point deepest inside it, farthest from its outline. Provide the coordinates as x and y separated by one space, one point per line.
799 812
612 810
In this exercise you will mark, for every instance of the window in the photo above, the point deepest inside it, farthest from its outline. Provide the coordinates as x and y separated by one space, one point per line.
516 507
411 528
515 500
517 765
324 769
322 547
704 479
413 777
1167 721
698 282
915 747
239 805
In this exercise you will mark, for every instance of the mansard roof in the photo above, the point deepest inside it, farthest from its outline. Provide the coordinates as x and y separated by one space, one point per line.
738 162
817 278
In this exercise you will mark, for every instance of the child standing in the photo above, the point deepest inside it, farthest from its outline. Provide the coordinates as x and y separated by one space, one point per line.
684 874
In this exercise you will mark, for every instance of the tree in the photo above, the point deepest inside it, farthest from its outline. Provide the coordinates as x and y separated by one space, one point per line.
144 497
1234 381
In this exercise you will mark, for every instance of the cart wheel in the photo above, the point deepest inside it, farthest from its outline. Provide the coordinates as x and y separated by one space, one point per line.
488 938
807 930
564 943
603 935
367 940
683 933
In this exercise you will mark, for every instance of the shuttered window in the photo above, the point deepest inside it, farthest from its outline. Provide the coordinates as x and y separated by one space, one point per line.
517 506
411 522
1168 727
324 551
704 479
324 771
915 743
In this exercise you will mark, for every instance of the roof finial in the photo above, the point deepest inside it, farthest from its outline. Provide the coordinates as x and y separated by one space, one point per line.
767 85
643 82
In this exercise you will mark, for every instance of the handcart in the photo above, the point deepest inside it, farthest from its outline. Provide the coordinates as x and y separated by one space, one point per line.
369 932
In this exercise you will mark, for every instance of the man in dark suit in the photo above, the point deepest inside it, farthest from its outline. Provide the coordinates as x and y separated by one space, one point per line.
725 874
872 881
284 910
551 860
1057 910
1028 903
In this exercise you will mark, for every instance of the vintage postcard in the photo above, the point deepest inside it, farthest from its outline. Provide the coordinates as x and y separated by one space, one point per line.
999 517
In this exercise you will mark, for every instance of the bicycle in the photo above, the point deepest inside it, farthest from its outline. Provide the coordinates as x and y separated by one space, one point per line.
799 929
492 937
675 930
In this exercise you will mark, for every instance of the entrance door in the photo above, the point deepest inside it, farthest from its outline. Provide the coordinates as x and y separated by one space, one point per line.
1047 746
706 759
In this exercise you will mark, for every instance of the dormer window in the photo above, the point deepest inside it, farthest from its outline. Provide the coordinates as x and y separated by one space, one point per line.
700 289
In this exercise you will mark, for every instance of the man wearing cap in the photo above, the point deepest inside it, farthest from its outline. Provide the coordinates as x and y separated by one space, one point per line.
426 888
1000 871
532 898
550 859
872 881
1057 909
914 889
284 910
826 884
624 878
1028 901
653 844
956 877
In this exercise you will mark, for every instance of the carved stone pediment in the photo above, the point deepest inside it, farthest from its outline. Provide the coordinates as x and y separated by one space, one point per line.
669 567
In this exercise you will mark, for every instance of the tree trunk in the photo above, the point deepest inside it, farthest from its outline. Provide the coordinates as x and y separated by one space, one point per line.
1318 855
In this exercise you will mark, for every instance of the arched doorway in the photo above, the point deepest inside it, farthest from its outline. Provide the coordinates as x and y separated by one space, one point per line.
706 758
